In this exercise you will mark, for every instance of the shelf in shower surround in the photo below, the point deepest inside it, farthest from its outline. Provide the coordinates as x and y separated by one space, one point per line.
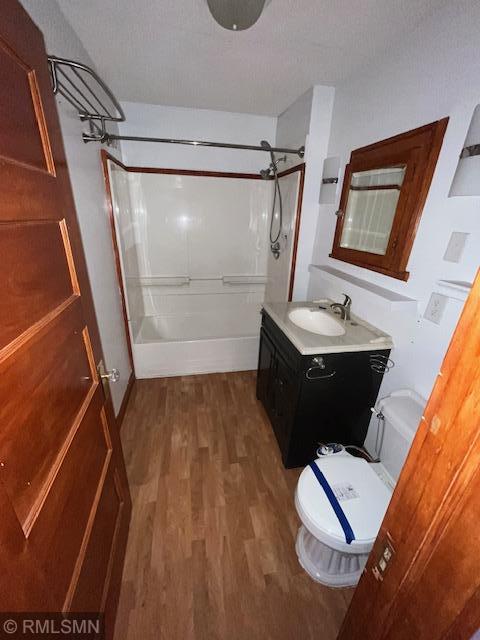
354 286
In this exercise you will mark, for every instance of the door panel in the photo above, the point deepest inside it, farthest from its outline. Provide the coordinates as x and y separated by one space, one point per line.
32 254
90 592
26 140
71 501
26 149
64 499
38 415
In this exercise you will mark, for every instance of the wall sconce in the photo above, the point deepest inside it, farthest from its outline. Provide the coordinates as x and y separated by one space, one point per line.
466 181
330 180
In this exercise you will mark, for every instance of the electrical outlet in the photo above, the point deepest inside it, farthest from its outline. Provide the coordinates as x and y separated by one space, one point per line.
435 308
455 246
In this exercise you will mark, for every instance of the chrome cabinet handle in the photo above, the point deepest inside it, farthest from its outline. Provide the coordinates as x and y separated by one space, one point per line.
310 377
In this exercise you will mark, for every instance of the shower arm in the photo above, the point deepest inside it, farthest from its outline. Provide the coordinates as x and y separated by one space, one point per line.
204 143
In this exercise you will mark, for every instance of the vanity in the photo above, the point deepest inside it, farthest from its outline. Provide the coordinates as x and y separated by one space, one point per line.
318 376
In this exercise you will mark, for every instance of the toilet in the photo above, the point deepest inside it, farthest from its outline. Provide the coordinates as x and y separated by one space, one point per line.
341 499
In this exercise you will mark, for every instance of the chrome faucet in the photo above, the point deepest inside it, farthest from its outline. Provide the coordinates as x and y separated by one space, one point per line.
343 308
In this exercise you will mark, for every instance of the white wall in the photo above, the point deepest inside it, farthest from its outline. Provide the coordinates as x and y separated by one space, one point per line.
293 125
89 193
432 73
195 124
307 122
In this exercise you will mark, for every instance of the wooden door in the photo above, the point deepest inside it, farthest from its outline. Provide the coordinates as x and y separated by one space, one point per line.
430 588
64 499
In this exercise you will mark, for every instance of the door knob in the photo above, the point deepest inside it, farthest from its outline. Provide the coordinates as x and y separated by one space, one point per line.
112 376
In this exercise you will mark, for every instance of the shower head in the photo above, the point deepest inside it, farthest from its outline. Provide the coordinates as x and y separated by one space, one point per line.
272 168
268 147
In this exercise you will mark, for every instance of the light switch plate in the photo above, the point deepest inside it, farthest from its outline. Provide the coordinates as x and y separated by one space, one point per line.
435 308
455 246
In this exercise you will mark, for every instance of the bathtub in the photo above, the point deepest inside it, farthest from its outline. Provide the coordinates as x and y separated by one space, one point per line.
204 342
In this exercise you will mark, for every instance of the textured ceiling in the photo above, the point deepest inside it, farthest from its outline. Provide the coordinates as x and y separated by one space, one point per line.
172 52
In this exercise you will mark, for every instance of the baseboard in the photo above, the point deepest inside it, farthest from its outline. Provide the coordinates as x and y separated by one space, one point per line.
126 398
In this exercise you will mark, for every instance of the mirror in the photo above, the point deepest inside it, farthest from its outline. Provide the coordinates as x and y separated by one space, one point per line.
371 206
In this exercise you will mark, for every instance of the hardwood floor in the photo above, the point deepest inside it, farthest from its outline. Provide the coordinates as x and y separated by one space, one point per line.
211 550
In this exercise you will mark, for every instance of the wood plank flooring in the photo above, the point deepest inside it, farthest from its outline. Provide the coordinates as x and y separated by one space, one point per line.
211 550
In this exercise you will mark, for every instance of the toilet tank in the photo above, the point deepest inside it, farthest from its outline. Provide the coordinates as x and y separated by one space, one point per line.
402 411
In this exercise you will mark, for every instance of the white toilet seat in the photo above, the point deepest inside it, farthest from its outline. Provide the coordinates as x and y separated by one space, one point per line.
362 496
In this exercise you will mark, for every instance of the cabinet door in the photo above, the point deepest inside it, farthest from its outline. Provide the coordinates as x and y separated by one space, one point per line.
336 400
265 373
284 402
361 383
316 415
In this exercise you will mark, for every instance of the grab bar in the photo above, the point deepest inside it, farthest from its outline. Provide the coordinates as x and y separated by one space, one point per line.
254 279
182 280
169 281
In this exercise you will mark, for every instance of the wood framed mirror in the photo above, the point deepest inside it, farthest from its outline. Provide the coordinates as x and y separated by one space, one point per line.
384 191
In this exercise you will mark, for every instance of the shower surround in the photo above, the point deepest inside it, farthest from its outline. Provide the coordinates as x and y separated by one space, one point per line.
193 249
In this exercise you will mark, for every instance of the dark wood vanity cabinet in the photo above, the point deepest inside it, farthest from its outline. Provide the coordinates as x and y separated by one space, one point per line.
315 398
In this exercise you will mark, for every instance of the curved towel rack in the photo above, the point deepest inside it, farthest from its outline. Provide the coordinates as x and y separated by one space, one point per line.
380 363
84 90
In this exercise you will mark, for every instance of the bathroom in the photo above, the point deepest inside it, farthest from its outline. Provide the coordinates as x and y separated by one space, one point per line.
198 243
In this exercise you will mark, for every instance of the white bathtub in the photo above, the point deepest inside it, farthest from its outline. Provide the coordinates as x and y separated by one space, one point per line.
204 342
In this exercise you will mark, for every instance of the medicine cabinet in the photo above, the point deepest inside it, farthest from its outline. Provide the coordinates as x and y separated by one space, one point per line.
384 191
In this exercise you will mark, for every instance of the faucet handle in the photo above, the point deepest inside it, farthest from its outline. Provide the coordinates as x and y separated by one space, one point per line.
348 301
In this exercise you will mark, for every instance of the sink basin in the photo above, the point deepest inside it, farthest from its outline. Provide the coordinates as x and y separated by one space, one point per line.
316 321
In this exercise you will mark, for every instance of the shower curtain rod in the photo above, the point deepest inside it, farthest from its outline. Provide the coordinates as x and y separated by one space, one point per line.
84 90
204 143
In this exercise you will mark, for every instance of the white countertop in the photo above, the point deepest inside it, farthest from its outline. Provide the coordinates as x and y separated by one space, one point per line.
360 336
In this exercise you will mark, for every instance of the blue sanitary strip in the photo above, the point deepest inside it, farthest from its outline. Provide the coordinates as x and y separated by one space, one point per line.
342 518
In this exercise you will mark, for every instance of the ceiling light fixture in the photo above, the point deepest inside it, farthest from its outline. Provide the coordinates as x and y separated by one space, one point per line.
236 15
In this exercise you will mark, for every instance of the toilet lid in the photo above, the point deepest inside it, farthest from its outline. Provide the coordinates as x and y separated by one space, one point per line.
361 494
